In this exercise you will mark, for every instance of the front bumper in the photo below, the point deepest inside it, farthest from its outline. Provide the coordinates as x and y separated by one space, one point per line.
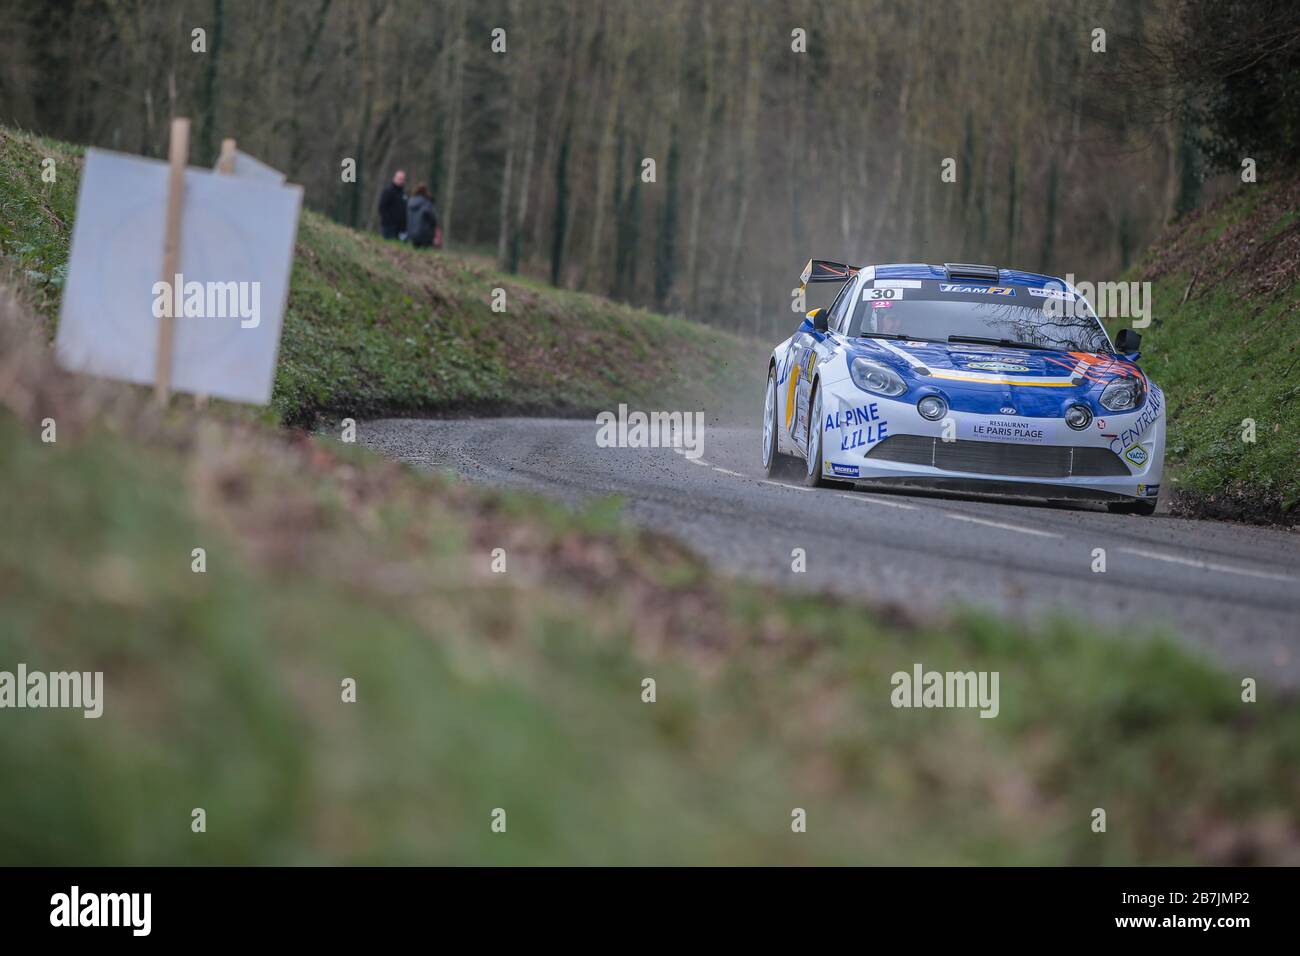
866 438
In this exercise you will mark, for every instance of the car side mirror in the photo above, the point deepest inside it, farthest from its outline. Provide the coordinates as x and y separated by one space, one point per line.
1128 341
818 319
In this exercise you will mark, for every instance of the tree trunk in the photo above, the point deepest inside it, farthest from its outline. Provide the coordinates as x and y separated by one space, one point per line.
521 214
602 156
559 225
698 185
453 145
504 225
206 153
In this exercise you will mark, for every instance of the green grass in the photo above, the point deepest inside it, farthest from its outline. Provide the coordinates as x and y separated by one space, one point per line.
374 327
522 690
1231 352
35 215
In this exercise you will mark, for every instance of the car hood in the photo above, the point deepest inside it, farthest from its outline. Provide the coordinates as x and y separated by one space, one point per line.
991 377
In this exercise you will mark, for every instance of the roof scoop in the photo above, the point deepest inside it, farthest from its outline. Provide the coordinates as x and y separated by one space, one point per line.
971 270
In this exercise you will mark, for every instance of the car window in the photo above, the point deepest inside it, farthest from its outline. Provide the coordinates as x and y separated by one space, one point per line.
935 310
839 308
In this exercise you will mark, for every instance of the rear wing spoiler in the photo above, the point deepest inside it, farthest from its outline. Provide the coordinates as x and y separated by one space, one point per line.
823 270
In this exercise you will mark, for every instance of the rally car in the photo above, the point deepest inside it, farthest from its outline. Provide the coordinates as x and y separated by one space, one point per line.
964 377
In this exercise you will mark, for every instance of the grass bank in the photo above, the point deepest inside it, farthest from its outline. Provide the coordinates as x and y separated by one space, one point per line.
376 327
1225 346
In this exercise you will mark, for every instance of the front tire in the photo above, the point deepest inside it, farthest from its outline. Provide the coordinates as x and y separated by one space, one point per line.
775 464
813 478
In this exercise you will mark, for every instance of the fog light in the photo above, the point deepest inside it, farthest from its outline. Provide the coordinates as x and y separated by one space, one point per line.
1078 417
932 408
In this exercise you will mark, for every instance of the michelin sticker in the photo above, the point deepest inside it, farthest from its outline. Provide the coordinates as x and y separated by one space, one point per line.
1005 429
844 471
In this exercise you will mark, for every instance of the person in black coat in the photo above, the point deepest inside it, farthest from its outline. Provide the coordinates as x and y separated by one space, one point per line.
392 207
421 219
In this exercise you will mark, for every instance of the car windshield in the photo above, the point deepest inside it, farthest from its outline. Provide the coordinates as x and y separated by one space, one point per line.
986 314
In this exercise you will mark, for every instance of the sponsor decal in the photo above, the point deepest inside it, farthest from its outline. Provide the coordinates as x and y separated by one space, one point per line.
882 305
898 283
866 424
976 289
1008 410
1130 435
846 471
871 295
1137 455
998 366
1007 429
786 365
1148 491
1053 294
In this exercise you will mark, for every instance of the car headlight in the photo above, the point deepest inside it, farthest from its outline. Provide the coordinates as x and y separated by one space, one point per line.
932 408
876 377
1078 417
1122 394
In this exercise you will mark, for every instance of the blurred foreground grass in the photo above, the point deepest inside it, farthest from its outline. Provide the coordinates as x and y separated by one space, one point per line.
522 690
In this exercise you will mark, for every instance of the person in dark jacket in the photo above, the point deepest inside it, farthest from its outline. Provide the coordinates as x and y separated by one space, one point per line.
392 207
421 218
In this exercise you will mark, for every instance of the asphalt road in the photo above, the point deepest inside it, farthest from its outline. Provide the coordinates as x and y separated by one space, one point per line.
1230 590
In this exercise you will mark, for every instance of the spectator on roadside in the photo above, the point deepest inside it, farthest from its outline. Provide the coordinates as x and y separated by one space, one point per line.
421 219
392 207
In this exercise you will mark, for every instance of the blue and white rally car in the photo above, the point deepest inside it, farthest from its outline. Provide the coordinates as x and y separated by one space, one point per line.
964 377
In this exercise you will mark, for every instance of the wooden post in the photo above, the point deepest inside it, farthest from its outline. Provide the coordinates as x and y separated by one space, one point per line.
226 163
225 166
178 155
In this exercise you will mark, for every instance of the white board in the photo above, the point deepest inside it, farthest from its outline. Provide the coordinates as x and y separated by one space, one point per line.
234 229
